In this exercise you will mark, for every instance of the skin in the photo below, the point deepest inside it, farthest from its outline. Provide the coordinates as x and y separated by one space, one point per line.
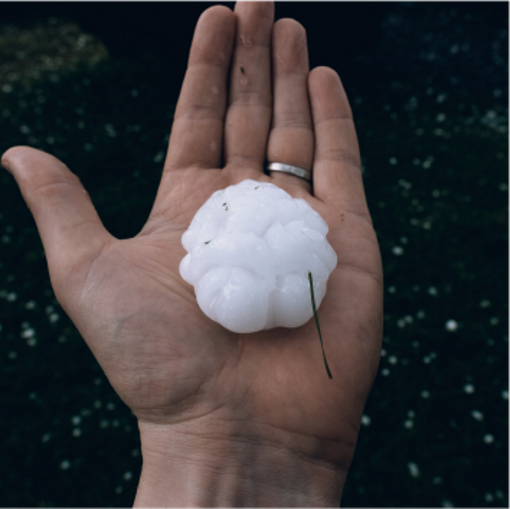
225 418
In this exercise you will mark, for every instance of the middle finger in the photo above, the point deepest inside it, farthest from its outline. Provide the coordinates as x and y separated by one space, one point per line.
250 100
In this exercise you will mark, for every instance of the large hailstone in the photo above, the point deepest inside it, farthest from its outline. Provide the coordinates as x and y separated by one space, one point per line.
250 248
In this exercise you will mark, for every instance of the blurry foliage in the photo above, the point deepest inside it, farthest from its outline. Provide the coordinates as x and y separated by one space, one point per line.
435 168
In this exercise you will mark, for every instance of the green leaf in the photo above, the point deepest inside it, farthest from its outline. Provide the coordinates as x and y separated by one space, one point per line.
310 279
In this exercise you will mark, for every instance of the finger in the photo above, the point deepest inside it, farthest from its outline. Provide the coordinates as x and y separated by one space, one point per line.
70 229
197 130
337 165
249 112
291 140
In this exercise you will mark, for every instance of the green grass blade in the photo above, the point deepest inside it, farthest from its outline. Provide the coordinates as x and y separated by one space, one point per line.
310 279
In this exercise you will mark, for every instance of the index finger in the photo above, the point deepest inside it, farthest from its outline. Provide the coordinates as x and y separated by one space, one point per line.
337 175
197 130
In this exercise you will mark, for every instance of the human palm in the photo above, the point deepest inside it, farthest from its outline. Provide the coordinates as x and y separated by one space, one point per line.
167 360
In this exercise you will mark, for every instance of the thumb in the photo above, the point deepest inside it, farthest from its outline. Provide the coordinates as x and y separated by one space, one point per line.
70 229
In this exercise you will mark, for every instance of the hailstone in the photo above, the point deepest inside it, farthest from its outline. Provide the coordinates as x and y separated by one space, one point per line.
250 248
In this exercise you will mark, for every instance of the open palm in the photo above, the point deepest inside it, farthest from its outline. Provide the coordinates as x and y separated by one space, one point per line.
248 97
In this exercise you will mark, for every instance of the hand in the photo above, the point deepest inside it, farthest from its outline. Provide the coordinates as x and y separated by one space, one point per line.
227 419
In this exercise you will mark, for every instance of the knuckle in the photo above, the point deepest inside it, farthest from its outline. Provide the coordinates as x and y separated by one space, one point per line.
55 185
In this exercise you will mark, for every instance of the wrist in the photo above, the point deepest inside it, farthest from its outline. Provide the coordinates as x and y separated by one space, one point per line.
184 467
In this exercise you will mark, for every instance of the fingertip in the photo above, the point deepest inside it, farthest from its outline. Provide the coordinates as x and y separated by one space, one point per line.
21 156
9 156
290 26
290 49
324 75
219 9
327 94
17 150
217 15
5 164
214 36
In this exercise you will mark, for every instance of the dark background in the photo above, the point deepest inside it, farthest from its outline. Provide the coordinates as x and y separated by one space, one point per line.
428 85
165 30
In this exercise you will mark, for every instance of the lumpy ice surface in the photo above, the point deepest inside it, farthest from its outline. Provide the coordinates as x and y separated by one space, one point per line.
250 247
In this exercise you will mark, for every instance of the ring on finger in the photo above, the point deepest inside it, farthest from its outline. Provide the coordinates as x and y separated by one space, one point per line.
291 170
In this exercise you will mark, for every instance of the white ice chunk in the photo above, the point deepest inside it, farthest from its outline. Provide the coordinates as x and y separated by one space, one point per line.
250 248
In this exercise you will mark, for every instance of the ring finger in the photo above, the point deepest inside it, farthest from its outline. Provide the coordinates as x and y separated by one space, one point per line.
291 139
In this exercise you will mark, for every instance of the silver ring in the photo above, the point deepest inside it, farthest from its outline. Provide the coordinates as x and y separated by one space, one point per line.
291 170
